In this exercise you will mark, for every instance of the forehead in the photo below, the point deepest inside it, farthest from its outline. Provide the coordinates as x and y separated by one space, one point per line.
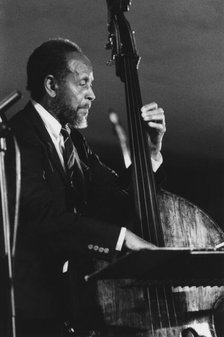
80 65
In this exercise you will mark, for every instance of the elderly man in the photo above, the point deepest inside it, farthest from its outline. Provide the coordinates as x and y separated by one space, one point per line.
73 207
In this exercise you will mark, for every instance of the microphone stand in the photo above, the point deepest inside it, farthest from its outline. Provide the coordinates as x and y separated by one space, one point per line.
4 132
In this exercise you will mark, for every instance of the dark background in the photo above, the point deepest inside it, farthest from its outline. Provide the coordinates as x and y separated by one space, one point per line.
181 44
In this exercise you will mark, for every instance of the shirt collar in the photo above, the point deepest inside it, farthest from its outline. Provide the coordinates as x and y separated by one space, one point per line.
50 122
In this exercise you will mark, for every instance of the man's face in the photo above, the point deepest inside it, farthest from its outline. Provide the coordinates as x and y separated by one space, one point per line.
74 94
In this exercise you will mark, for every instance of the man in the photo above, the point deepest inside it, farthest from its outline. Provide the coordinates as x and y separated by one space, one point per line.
73 208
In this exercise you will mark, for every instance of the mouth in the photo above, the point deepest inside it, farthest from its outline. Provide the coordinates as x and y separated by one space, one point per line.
84 111
85 107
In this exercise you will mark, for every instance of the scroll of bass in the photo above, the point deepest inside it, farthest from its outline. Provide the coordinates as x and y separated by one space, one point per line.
164 219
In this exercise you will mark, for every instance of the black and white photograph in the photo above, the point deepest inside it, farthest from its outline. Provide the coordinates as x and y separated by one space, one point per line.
112 168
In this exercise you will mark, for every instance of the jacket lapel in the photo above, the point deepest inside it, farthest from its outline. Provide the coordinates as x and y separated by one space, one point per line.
39 126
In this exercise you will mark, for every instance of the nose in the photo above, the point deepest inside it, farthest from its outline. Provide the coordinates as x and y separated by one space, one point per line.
90 95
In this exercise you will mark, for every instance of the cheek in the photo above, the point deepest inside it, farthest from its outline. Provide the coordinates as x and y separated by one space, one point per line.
74 97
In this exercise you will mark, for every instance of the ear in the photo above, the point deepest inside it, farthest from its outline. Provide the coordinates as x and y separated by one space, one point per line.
50 85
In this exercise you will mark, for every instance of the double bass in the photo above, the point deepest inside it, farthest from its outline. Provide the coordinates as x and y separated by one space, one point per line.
162 218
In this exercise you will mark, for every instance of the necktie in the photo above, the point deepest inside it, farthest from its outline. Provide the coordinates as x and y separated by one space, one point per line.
70 154
71 158
73 169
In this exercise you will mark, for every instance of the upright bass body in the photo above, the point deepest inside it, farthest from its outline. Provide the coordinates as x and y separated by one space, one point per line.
170 314
164 219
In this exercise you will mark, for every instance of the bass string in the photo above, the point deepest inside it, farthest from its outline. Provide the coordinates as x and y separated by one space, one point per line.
135 147
141 162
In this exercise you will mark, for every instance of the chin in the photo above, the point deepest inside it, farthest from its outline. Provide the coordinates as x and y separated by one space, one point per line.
82 124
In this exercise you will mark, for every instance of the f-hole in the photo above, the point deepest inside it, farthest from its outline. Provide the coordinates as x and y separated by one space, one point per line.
219 317
189 332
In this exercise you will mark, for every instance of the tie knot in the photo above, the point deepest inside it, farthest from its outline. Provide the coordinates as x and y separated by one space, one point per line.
65 133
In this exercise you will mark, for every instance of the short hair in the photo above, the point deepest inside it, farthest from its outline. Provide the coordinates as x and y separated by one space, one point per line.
50 58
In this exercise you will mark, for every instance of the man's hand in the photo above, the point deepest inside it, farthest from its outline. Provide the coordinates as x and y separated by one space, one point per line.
155 118
134 242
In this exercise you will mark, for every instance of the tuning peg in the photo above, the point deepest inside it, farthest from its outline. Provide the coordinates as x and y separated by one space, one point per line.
108 45
110 63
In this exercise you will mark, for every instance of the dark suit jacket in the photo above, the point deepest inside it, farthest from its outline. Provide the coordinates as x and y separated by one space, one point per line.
50 232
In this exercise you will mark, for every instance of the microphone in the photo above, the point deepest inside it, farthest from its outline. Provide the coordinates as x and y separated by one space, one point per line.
9 100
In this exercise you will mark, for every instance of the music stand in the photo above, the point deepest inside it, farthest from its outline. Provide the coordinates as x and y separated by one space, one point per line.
172 266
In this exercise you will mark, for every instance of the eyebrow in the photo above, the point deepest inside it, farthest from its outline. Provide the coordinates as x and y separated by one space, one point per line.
87 78
82 76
